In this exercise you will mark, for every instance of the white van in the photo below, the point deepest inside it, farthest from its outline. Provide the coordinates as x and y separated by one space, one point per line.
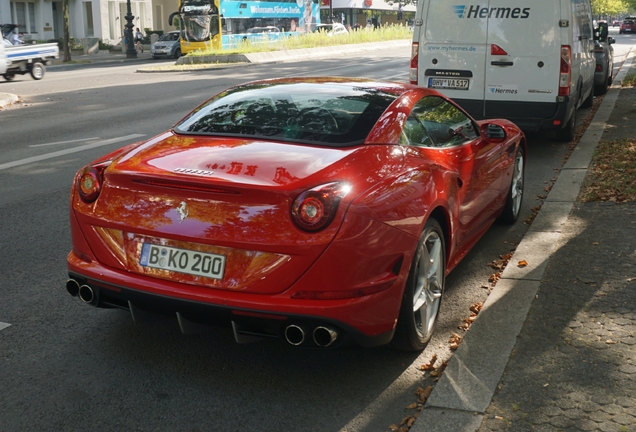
531 62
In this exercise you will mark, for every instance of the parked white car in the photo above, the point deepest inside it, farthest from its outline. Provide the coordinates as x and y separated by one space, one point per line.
331 29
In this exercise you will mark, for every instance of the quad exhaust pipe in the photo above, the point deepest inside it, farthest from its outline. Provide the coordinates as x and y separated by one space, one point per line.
298 334
295 334
85 292
324 336
73 287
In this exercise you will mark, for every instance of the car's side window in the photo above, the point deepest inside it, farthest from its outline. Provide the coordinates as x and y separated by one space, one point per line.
442 123
414 133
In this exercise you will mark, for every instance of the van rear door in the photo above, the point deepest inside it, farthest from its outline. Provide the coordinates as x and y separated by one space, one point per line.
452 52
522 57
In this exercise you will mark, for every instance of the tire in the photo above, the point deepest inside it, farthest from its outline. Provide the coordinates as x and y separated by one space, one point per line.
589 101
37 71
423 291
512 208
177 53
600 89
9 76
567 133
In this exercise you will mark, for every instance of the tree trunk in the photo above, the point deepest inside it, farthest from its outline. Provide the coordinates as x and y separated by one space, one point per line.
67 38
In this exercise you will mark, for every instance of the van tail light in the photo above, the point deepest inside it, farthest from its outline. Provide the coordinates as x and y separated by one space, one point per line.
90 180
413 70
315 208
566 70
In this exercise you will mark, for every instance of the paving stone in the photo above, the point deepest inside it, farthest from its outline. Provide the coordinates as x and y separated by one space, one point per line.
586 425
612 409
589 406
627 368
602 399
624 419
626 402
561 421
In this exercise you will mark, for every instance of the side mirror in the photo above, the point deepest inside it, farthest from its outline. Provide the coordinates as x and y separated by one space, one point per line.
494 132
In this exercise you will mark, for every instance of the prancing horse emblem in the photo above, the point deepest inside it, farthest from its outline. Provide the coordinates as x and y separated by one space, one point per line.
183 211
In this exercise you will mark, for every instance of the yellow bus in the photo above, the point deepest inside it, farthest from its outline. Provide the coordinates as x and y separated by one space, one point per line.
199 24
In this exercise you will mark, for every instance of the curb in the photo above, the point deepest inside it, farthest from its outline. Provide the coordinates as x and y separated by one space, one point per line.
465 390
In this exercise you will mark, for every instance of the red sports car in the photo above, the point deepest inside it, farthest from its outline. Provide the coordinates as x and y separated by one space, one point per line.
315 210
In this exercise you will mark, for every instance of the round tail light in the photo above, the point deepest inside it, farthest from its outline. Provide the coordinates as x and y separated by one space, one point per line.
89 183
314 209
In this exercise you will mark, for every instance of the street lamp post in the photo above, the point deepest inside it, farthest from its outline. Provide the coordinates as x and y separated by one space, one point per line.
131 52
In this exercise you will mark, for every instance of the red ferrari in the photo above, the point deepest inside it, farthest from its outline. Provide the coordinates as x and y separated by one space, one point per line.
315 210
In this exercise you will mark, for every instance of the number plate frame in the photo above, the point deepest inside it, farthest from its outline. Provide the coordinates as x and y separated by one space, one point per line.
183 261
449 83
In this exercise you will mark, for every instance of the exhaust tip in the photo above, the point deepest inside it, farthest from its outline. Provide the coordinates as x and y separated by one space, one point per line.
294 334
86 294
73 287
325 336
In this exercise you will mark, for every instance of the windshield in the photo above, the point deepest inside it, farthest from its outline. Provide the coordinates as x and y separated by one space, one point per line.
317 113
169 37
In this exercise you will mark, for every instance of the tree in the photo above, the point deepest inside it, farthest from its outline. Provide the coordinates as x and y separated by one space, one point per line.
67 38
609 7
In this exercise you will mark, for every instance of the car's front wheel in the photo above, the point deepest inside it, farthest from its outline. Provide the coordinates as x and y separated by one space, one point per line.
177 53
423 291
512 207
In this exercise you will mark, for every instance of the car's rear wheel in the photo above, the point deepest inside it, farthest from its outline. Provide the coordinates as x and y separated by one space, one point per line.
512 208
37 71
423 291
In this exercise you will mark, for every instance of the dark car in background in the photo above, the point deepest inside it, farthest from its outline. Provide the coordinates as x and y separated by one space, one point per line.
628 25
168 46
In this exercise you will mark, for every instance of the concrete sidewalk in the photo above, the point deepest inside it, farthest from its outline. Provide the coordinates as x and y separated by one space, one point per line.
571 365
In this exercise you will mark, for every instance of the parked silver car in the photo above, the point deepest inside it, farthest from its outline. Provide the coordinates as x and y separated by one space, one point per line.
168 45
604 54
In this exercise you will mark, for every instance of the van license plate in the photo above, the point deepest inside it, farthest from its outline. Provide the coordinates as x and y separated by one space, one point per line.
182 261
448 83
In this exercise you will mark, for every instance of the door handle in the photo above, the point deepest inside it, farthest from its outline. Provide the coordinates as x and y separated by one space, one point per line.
501 63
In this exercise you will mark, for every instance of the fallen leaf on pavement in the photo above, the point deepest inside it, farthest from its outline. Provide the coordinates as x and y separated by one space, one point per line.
430 365
423 393
454 341
412 406
522 263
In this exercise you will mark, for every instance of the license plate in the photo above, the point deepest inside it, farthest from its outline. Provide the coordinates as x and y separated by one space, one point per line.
448 83
182 261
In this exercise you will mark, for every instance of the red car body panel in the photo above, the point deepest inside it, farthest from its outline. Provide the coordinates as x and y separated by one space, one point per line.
239 193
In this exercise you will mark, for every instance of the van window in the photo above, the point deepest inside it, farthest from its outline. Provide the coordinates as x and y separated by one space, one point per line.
435 122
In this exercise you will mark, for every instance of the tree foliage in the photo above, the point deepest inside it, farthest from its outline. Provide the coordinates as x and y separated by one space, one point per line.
611 7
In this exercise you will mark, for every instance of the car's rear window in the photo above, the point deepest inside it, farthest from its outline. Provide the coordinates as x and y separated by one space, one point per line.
322 113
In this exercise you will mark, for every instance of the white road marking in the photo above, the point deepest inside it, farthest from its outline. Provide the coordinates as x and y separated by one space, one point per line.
52 155
4 325
401 74
64 142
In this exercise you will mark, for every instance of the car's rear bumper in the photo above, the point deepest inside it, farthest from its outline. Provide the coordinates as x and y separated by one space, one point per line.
249 314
